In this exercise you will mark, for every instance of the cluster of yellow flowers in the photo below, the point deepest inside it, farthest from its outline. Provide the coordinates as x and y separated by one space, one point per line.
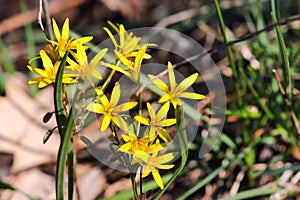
145 149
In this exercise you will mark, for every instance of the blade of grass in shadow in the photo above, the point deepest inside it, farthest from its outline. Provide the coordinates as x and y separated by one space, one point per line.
7 186
2 83
254 193
215 173
229 52
286 64
30 41
127 195
8 63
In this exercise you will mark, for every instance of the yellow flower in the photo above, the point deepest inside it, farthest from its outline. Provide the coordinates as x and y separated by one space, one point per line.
129 44
86 70
176 91
156 122
132 68
110 109
64 42
135 145
48 74
153 163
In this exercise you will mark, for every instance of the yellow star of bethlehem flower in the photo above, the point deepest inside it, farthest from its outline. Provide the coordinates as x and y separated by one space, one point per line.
132 68
86 70
64 42
48 74
153 163
128 44
157 121
135 145
110 109
176 91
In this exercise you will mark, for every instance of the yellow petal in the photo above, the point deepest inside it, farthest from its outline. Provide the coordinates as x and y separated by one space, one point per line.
125 147
95 107
115 95
163 111
126 138
117 68
105 122
111 36
171 77
99 56
191 95
47 63
151 111
44 83
166 157
187 82
142 120
145 173
120 122
122 34
65 30
157 179
125 106
169 122
159 83
82 58
164 135
124 60
164 98
165 166
56 29
139 58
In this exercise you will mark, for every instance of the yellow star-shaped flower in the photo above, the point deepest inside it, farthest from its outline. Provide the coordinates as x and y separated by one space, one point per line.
48 74
135 145
132 68
128 43
110 109
85 69
176 91
64 42
157 121
153 163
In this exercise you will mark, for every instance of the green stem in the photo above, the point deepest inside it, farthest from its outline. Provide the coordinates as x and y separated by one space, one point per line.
229 52
70 172
183 148
286 64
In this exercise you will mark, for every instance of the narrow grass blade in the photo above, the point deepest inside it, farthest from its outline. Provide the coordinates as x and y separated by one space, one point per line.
254 193
7 61
2 83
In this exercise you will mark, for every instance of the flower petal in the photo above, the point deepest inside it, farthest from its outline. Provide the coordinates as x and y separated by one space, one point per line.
159 83
151 111
142 120
166 157
95 107
163 111
187 82
125 106
56 29
98 56
105 122
115 95
65 30
191 95
120 122
157 179
171 77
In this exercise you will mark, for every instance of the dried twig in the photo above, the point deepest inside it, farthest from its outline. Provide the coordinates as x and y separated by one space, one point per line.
287 103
